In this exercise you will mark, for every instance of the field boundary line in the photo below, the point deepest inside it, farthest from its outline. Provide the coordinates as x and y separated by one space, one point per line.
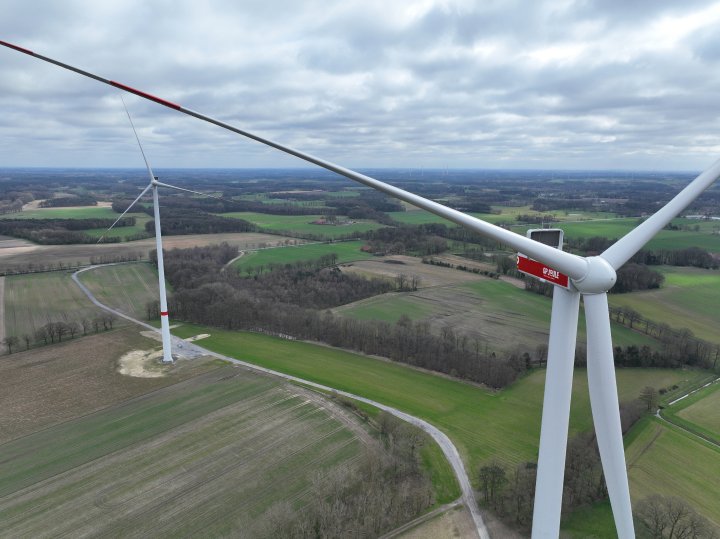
446 445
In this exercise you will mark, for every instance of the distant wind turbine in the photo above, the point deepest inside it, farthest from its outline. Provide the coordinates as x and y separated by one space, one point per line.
589 277
154 184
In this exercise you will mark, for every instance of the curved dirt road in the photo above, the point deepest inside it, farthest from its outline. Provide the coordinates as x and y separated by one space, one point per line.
448 448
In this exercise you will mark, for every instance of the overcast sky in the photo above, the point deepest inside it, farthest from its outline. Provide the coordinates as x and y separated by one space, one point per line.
461 84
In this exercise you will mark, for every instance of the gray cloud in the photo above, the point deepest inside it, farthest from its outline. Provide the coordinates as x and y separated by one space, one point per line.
445 83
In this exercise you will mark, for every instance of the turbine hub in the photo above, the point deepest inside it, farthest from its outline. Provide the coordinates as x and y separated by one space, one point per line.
600 277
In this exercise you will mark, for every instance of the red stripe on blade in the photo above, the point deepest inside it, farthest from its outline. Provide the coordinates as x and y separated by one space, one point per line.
164 313
26 51
146 95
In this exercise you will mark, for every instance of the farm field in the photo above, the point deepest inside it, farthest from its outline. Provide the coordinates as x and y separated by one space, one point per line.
31 301
302 224
392 266
706 238
122 231
278 198
148 472
17 255
701 410
125 287
84 212
40 387
687 299
653 456
346 251
504 214
498 313
484 425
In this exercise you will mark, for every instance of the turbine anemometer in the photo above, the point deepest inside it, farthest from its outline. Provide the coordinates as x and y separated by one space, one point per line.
590 277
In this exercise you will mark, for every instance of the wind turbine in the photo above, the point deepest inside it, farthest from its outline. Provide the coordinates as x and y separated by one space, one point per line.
154 184
589 277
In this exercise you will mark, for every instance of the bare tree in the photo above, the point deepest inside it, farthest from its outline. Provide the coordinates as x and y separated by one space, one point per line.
61 329
401 282
649 395
41 334
73 328
492 478
669 517
414 282
152 310
86 325
11 341
108 321
541 351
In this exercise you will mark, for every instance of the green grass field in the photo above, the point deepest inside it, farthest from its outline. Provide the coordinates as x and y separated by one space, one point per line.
687 299
700 412
389 308
664 460
302 224
125 287
122 231
31 301
346 251
202 457
593 522
64 213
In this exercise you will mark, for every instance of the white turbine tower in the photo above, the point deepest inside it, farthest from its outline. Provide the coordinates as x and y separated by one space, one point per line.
154 184
589 277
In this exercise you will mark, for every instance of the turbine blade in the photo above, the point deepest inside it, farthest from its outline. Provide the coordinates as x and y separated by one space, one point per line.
606 410
572 265
161 184
624 249
147 163
555 413
123 213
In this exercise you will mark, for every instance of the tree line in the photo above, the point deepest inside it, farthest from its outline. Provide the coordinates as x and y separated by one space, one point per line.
690 256
108 258
55 332
175 222
59 231
66 202
680 346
